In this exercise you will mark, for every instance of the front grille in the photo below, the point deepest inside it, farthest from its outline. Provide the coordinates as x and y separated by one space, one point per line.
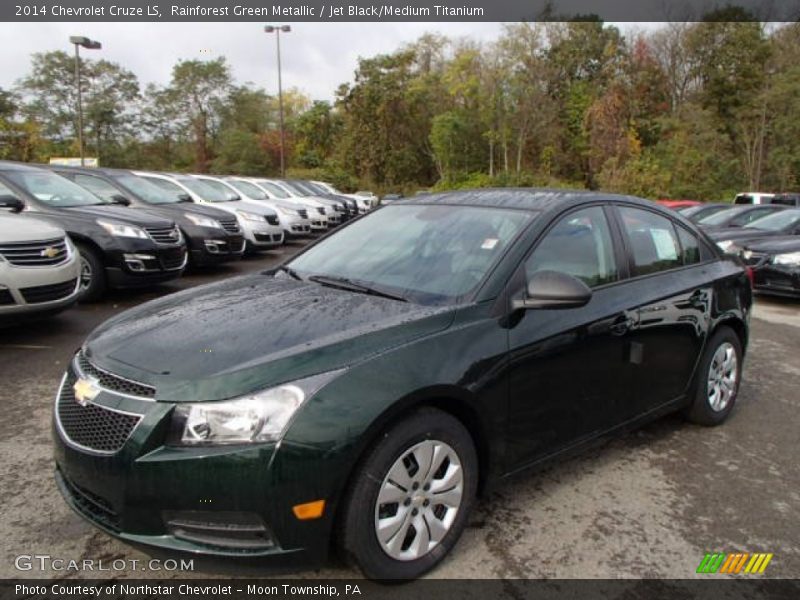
164 235
48 293
272 219
35 254
92 427
320 210
230 225
6 297
303 213
114 383
265 237
94 507
172 259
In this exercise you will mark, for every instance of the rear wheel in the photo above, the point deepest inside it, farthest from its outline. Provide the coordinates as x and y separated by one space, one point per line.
93 275
718 379
411 497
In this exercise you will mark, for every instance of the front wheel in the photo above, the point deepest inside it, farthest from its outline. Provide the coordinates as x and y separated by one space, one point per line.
718 378
93 276
411 496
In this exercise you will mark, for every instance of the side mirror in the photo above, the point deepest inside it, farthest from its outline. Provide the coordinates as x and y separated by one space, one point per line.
11 203
552 289
120 199
184 197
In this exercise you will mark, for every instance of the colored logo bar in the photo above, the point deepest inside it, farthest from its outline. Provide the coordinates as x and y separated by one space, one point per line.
735 562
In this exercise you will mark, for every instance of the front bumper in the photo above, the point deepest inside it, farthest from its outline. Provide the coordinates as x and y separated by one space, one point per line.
214 246
138 263
31 290
261 235
146 492
777 280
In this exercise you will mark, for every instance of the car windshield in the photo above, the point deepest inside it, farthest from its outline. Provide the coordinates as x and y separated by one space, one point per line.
718 218
778 221
147 191
295 188
207 192
701 211
248 189
424 253
53 190
274 189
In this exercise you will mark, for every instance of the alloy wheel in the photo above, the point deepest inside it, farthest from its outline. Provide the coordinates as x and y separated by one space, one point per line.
723 375
86 274
418 500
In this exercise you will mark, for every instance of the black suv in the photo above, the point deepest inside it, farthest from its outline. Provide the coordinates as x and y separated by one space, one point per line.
212 235
119 247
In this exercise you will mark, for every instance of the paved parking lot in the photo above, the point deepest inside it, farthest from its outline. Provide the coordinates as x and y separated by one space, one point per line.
650 504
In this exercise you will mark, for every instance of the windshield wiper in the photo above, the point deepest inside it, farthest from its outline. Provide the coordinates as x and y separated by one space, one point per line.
290 271
343 283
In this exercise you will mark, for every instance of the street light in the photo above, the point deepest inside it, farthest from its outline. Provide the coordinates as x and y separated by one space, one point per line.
277 31
89 45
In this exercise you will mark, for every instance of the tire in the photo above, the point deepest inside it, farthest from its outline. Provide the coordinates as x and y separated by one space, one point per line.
93 274
717 382
426 433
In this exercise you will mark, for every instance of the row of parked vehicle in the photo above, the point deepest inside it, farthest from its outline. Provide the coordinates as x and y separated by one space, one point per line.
763 230
78 232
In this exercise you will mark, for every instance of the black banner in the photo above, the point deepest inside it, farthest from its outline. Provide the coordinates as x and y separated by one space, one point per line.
396 10
296 589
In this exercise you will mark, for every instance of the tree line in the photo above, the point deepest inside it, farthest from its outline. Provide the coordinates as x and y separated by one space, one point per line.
688 110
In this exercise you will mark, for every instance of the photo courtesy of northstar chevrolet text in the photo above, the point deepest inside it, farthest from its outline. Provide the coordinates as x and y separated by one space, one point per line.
494 300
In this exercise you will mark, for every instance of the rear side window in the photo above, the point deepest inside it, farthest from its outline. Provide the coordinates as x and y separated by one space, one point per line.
743 199
690 247
97 186
579 245
652 240
749 216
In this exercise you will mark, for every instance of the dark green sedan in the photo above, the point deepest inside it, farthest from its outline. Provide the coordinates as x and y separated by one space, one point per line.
362 395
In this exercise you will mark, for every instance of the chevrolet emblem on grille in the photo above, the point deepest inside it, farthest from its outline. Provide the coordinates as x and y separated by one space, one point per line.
85 391
50 252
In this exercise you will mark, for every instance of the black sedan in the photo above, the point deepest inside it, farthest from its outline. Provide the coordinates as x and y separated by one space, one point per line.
776 265
701 211
781 223
366 398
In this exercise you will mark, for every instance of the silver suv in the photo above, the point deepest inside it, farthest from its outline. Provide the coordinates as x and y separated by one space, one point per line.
39 268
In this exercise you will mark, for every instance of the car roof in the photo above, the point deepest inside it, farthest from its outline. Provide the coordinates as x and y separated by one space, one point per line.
8 165
538 199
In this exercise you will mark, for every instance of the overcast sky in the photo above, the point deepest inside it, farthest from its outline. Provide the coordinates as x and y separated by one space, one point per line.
316 57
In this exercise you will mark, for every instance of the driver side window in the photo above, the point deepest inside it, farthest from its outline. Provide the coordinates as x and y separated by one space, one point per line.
579 245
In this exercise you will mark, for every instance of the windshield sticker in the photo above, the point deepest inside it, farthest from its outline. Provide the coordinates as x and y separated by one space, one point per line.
489 243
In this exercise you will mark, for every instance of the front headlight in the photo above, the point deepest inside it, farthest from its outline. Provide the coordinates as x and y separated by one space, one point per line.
118 229
258 417
727 246
248 216
204 221
790 259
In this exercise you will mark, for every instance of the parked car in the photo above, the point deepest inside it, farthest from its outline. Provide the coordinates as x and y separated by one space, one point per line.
700 211
389 198
212 236
337 209
342 412
676 204
786 199
776 264
319 213
738 216
118 247
39 266
780 223
364 199
352 208
293 217
258 223
753 198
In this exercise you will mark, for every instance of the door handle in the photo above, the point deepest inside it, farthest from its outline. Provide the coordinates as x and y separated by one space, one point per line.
621 325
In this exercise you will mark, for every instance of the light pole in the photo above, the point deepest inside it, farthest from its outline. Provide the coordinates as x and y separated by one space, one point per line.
277 32
89 45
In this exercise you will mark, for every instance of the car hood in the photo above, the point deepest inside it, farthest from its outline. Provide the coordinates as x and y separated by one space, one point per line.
776 245
19 228
179 210
252 332
738 233
125 215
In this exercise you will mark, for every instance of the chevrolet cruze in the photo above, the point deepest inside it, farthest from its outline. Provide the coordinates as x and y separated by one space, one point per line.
362 394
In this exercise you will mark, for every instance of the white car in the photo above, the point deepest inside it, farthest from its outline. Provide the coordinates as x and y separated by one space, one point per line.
259 223
39 268
753 198
366 200
317 211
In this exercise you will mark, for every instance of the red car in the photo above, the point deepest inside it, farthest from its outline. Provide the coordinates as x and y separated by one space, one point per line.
676 204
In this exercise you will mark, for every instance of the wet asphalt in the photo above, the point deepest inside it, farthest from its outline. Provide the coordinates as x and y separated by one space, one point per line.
649 504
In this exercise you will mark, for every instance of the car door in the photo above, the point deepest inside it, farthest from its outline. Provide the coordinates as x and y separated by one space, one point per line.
671 284
569 369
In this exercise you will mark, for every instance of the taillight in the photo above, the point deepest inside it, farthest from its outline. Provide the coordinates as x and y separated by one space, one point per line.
750 275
